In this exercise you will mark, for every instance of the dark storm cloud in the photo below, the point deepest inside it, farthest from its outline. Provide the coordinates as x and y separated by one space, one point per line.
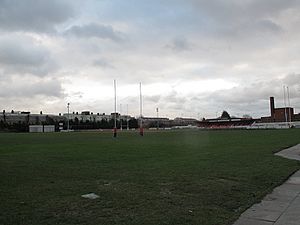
33 15
268 26
27 88
96 31
19 55
228 12
249 29
226 21
179 44
103 64
268 7
209 18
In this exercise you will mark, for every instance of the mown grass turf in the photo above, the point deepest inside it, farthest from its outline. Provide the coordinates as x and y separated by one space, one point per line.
182 177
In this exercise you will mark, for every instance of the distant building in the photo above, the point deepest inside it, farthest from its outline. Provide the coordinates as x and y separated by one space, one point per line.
16 117
179 121
156 121
92 117
285 114
226 121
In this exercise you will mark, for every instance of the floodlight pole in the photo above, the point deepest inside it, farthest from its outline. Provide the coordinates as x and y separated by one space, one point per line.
68 124
141 112
115 114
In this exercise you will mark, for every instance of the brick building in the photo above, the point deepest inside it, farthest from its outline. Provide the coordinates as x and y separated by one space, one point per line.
285 114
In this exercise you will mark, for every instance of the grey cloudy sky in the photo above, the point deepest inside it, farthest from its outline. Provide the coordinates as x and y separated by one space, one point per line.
194 57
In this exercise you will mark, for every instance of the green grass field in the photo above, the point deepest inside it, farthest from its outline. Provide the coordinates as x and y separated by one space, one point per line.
179 177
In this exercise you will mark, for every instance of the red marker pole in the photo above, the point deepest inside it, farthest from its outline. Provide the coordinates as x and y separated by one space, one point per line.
141 131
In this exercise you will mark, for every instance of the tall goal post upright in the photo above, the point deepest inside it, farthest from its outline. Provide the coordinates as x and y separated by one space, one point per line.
121 125
141 112
127 119
157 118
115 106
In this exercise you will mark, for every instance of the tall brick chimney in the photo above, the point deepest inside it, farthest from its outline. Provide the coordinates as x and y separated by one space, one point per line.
272 108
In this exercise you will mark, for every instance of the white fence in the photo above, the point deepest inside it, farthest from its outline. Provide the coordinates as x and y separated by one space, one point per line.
281 125
41 128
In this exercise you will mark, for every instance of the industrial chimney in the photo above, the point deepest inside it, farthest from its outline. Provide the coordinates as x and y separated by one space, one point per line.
272 108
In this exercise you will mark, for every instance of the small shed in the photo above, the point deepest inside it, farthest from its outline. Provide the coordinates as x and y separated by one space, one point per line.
49 128
36 129
41 128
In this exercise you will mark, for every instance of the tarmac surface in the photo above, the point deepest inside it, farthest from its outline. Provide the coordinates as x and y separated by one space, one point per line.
282 206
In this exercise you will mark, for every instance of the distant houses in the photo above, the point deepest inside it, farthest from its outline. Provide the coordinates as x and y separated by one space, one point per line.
17 117
20 120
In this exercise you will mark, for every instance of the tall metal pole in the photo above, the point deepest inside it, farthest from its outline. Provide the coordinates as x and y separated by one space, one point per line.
115 114
141 112
68 125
